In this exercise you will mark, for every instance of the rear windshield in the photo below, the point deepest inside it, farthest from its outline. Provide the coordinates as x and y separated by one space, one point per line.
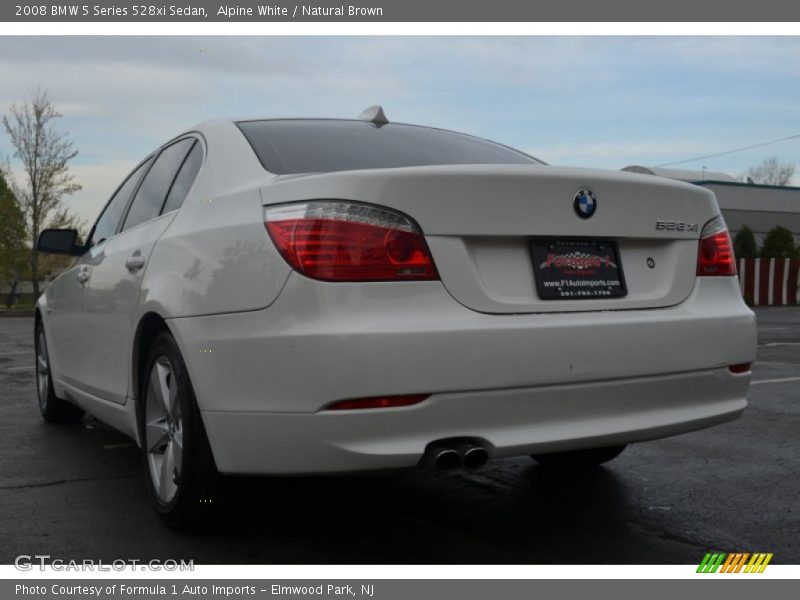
321 146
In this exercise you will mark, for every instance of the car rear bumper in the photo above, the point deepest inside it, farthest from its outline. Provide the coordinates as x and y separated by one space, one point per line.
521 383
511 422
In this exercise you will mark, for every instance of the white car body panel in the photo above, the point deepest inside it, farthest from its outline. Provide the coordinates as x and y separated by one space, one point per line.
111 308
216 258
510 200
260 365
349 337
510 422
61 305
268 349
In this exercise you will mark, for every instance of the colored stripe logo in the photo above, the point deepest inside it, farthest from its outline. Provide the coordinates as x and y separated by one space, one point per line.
736 562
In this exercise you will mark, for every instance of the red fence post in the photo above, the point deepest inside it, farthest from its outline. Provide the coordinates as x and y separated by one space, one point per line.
770 281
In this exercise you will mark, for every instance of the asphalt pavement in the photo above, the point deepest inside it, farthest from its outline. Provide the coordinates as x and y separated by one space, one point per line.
77 492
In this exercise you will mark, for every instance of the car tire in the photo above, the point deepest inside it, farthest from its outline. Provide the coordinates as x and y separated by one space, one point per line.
53 408
181 475
579 459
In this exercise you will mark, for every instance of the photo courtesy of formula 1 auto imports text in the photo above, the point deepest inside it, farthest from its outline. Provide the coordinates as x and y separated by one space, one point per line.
382 300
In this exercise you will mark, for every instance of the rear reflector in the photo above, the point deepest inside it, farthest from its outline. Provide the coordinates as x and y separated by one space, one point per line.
715 254
380 402
740 368
348 241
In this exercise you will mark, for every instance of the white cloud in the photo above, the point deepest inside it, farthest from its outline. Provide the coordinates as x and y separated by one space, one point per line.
99 181
599 101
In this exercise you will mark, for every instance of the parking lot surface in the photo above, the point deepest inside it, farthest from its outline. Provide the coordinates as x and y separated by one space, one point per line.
77 492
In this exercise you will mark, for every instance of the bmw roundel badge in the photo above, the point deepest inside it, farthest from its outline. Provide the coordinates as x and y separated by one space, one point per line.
585 203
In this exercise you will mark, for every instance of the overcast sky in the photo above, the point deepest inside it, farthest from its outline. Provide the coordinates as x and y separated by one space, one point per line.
590 101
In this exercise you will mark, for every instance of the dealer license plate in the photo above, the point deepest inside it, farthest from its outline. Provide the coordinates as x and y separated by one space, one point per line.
577 269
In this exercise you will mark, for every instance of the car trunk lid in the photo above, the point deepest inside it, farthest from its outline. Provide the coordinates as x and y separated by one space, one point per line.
482 222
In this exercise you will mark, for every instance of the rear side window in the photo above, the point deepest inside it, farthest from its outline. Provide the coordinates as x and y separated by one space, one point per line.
186 176
153 191
106 225
321 146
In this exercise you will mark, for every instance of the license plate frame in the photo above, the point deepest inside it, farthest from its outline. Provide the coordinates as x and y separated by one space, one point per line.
577 269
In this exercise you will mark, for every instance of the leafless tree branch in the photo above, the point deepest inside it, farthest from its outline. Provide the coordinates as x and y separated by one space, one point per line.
44 152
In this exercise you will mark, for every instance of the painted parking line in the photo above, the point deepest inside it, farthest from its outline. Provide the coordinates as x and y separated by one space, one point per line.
783 380
777 364
26 368
774 344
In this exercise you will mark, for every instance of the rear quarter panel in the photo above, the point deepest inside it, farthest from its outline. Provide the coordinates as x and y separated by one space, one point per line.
217 257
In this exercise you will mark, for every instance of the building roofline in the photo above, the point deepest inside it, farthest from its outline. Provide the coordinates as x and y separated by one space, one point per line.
747 185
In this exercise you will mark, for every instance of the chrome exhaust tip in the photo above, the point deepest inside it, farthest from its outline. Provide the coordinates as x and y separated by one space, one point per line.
441 459
456 453
445 460
474 457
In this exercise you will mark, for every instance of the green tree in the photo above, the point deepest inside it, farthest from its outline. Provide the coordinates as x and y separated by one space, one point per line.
779 243
744 243
13 252
44 153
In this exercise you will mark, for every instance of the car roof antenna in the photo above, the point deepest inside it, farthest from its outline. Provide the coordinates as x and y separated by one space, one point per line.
374 114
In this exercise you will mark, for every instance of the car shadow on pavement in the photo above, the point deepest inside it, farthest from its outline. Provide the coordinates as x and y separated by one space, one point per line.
510 512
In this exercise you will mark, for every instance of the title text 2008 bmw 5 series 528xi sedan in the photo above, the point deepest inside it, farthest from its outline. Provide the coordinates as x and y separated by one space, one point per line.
318 295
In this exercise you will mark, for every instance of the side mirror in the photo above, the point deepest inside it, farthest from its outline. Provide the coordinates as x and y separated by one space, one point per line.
60 241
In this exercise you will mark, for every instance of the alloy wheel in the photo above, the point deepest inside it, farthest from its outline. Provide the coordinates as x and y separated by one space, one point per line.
42 371
164 429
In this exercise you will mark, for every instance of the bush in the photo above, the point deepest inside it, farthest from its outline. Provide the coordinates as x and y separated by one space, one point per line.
779 243
744 244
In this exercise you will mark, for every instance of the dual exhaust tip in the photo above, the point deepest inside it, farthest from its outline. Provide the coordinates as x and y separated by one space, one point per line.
448 455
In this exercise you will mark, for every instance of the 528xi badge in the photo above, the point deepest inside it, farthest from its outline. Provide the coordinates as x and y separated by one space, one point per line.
675 226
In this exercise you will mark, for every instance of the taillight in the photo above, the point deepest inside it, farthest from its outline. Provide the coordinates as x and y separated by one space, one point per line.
347 241
715 254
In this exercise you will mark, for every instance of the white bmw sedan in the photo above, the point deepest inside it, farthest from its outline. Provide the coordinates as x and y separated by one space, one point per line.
314 296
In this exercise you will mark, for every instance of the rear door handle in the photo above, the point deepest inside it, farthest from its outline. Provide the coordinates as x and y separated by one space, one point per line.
135 262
